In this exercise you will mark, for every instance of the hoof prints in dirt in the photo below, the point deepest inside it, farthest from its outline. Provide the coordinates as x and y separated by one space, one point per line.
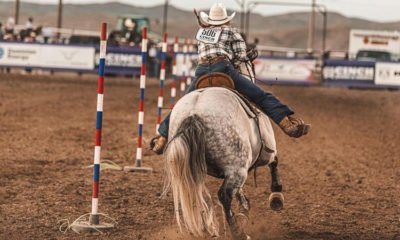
341 180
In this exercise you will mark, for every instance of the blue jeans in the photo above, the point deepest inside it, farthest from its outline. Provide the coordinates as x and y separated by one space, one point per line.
268 103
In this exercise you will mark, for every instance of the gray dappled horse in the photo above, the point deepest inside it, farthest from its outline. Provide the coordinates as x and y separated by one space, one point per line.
213 131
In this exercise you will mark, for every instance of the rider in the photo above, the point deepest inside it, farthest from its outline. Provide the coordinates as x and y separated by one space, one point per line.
221 48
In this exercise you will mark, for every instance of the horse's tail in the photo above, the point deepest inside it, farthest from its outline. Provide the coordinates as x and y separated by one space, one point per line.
186 172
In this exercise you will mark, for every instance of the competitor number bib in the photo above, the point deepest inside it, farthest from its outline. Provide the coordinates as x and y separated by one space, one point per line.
208 35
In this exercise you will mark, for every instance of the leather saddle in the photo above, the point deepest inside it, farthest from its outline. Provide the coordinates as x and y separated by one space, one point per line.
215 80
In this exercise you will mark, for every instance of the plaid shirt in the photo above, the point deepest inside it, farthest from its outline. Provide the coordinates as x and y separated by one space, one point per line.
230 44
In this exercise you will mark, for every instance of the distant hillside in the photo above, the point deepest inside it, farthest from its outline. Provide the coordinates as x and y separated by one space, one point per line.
288 30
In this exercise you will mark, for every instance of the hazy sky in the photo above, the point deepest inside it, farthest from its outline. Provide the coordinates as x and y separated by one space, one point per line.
378 10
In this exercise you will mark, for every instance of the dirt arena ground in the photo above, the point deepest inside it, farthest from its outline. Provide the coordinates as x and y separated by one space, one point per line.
340 182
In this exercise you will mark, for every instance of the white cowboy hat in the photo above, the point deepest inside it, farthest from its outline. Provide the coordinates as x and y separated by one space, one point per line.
217 15
128 23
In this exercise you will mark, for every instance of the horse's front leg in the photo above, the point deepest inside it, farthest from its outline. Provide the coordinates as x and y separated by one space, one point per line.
276 197
230 187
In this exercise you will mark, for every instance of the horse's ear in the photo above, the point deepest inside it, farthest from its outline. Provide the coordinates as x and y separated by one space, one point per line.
252 53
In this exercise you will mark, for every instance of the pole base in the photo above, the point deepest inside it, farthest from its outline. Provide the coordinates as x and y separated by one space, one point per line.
91 226
138 169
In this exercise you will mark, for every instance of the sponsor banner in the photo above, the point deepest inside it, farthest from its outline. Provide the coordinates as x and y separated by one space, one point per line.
121 60
46 56
121 57
387 74
293 70
67 57
16 54
343 70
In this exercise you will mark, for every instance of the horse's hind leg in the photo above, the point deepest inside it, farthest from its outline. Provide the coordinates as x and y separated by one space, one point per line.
230 187
244 203
276 197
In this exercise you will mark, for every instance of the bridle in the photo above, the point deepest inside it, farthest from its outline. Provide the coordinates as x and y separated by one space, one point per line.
252 54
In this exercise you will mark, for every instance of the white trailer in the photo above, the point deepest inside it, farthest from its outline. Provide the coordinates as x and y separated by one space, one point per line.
374 45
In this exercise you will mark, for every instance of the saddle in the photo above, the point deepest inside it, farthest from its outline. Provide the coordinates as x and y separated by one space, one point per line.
215 80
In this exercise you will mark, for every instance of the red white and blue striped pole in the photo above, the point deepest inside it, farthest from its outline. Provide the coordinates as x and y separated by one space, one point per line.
139 150
174 72
185 70
99 121
94 220
160 101
190 65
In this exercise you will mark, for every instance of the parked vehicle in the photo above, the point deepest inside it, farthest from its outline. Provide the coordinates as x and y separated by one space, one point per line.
370 45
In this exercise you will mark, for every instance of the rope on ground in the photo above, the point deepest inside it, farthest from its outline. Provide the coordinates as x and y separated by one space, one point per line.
64 224
107 164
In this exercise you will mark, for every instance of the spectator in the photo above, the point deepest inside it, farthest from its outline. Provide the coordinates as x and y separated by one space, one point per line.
9 30
26 35
131 36
47 34
153 60
112 40
326 54
309 54
1 31
31 38
29 24
169 60
256 41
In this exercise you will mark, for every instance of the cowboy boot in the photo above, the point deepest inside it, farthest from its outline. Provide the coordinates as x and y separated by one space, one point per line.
294 127
157 144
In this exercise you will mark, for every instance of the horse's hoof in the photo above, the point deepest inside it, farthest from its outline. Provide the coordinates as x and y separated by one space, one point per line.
276 201
242 237
239 234
244 212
